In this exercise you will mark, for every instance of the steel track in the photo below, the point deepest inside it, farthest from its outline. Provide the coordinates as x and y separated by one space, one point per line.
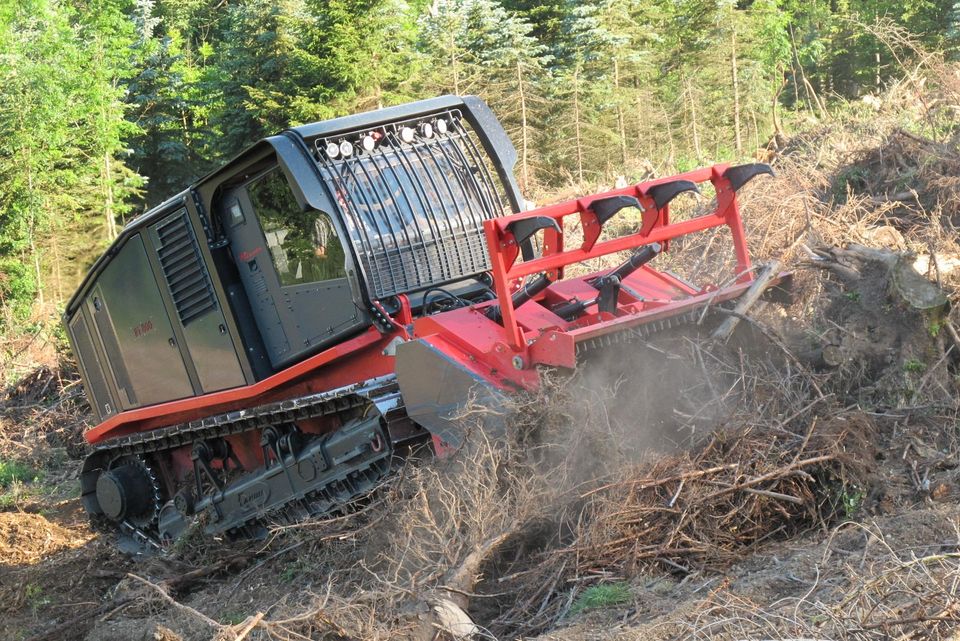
380 391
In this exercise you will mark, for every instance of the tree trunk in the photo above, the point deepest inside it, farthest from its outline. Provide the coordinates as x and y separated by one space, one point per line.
803 76
57 273
673 149
32 225
453 65
621 129
524 169
36 259
736 91
108 209
877 70
576 121
692 104
638 112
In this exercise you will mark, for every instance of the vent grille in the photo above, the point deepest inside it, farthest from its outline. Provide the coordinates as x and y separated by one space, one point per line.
184 270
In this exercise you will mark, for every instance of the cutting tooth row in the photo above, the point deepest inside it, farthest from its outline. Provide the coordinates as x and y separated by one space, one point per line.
640 332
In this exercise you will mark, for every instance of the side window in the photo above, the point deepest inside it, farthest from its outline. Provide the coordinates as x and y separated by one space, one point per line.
303 244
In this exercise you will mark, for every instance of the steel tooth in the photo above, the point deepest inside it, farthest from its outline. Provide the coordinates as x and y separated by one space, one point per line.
641 332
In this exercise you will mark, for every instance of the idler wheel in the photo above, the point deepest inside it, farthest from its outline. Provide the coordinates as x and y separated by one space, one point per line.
126 493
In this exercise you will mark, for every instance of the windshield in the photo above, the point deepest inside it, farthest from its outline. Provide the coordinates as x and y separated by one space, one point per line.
303 243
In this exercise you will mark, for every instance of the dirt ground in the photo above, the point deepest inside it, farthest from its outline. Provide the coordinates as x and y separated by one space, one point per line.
799 481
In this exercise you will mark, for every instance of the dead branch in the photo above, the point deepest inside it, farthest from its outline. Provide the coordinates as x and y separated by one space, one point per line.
176 604
725 329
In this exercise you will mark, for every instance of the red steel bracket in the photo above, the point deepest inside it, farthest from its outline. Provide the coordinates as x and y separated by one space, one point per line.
654 228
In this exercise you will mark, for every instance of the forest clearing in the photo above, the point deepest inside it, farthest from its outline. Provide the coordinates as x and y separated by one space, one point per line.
788 470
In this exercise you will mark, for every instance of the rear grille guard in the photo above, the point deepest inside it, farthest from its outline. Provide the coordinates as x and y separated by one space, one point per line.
414 196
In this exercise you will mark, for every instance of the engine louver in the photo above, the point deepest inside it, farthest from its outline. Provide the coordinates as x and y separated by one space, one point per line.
184 270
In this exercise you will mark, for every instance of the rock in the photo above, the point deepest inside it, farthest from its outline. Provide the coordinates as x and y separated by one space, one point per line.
913 289
943 264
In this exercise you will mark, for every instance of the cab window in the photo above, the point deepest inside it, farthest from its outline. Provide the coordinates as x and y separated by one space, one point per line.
303 244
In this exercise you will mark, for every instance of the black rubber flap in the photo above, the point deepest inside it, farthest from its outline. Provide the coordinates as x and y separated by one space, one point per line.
524 228
607 208
742 174
663 193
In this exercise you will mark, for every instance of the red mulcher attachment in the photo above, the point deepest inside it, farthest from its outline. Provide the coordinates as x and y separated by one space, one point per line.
487 349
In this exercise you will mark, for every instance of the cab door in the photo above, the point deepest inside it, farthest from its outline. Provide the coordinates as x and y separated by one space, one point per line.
292 265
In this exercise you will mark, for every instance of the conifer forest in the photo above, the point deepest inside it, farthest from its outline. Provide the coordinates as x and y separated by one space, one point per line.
107 107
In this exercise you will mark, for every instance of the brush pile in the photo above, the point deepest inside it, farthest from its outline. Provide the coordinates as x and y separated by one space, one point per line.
44 409
688 513
703 508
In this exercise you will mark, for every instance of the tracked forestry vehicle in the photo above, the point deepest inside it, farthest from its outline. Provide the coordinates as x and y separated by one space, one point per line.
262 344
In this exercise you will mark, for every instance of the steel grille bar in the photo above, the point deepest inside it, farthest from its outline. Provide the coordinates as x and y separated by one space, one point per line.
494 196
415 203
425 199
428 276
433 191
453 197
477 215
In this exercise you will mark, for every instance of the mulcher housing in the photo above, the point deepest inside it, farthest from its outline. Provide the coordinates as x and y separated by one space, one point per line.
262 343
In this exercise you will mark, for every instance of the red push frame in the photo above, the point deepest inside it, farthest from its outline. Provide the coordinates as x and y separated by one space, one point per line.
655 227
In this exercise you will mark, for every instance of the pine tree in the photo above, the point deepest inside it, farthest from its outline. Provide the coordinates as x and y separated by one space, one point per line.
953 33
478 47
170 102
110 35
38 75
264 76
364 51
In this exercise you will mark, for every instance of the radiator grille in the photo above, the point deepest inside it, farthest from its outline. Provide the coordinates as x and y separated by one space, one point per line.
414 196
184 270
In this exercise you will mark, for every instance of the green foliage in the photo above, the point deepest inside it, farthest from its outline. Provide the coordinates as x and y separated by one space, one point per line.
17 286
35 597
15 471
111 106
851 501
952 36
914 366
232 618
602 596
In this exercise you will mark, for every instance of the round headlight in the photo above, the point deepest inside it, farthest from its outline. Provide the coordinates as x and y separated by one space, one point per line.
406 134
368 142
441 126
346 149
333 149
426 130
